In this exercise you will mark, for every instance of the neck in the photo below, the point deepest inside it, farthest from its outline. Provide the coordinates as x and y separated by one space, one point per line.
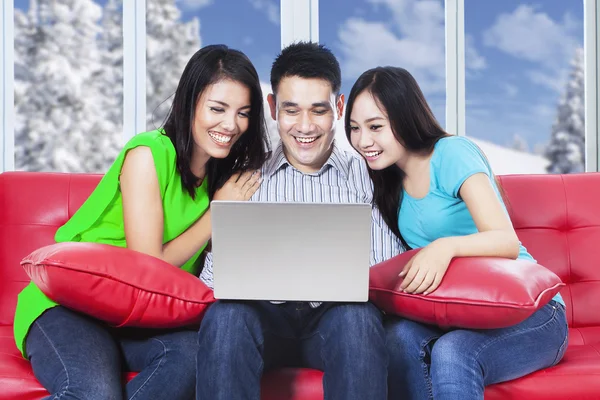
198 162
414 163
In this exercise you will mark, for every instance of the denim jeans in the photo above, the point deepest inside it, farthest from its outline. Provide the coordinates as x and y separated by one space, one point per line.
428 363
77 357
241 340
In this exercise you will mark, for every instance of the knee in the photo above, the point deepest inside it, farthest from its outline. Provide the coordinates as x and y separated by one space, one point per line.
226 324
406 338
178 349
226 316
357 327
452 350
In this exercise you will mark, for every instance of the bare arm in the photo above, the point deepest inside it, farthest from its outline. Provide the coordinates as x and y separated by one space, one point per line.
143 211
496 236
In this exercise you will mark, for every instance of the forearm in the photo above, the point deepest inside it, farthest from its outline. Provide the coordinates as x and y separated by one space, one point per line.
495 243
179 250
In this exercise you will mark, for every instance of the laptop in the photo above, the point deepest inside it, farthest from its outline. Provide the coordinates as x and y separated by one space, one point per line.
291 251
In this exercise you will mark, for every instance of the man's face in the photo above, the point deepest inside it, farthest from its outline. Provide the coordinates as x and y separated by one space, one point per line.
306 111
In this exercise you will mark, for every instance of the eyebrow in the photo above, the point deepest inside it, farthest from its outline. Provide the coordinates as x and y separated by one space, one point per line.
227 105
369 120
319 104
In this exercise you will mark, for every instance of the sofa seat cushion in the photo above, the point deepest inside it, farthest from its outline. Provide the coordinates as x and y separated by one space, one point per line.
16 377
292 384
577 376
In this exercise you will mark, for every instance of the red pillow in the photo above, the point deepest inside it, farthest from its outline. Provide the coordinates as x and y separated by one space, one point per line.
117 285
475 293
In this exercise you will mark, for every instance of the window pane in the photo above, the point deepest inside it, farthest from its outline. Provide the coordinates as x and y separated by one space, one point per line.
68 85
368 33
526 107
177 29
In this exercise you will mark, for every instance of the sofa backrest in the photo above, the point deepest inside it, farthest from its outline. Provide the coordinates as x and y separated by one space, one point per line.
557 217
32 207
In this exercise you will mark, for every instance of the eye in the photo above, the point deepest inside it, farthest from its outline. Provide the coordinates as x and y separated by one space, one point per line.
216 109
354 128
244 114
321 111
291 112
375 127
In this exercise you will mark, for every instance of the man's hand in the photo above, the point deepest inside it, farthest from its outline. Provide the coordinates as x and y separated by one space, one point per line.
240 187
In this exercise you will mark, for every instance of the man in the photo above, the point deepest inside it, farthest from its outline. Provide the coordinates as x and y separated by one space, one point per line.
239 340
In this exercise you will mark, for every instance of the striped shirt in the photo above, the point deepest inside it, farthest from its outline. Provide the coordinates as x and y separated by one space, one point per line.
344 178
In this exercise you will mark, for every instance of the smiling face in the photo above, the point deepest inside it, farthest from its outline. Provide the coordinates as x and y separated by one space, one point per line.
306 111
372 135
221 117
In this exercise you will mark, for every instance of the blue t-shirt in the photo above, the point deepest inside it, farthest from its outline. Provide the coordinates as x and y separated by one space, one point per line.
442 213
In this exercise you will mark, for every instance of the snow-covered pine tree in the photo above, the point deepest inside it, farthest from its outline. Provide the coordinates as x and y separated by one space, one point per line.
566 150
61 122
170 43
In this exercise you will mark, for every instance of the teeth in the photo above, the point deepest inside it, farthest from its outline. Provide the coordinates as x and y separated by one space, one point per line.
220 138
372 153
306 140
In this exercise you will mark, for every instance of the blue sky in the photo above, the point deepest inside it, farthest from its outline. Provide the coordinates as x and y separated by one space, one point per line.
518 51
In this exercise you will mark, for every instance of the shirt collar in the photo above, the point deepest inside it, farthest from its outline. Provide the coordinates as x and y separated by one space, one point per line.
336 160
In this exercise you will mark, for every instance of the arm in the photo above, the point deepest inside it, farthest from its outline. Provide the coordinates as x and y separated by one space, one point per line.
496 236
143 213
384 244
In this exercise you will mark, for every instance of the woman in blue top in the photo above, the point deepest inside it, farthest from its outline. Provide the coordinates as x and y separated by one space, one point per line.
437 192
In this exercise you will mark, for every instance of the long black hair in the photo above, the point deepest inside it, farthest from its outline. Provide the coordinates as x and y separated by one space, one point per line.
399 96
206 67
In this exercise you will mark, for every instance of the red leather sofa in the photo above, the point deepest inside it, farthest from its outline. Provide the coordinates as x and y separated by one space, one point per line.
557 218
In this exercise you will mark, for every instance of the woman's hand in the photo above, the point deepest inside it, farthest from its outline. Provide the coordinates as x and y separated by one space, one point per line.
240 187
424 272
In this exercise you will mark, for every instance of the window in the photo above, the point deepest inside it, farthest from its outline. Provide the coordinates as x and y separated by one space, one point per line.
525 105
409 34
68 91
176 30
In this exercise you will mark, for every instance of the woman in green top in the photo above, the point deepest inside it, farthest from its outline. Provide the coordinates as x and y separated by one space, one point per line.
154 199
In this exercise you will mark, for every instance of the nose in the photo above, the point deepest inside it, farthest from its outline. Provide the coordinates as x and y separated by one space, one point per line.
305 124
364 140
228 122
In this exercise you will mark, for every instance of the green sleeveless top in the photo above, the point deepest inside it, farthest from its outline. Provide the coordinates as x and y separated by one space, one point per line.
100 219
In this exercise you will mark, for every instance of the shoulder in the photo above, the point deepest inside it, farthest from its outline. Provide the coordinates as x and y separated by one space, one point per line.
455 159
453 145
152 148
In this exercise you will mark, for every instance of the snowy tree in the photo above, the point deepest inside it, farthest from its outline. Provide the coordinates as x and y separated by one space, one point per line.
110 80
170 43
519 143
566 150
61 123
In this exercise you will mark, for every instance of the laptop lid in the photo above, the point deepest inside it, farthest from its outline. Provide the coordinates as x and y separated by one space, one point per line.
291 251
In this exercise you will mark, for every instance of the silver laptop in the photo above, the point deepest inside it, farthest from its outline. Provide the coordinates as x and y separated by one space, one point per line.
291 251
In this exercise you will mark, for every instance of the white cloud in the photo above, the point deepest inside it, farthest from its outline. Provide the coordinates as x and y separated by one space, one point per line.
413 39
511 90
532 35
195 4
269 7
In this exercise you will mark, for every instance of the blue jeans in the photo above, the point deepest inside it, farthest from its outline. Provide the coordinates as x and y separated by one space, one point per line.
428 363
241 340
77 357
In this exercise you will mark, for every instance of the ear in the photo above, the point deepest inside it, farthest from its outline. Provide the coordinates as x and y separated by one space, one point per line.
340 106
272 105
